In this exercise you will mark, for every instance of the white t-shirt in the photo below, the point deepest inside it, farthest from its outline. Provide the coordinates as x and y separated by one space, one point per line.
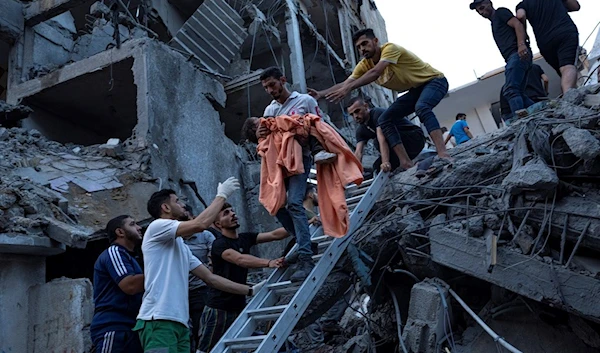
167 263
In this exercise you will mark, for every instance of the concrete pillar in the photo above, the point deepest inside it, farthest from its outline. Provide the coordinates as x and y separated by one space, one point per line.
60 316
18 273
426 315
295 43
345 30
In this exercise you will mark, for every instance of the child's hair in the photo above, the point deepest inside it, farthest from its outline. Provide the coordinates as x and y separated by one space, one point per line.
249 129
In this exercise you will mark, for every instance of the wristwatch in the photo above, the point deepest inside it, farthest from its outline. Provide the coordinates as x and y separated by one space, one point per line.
250 291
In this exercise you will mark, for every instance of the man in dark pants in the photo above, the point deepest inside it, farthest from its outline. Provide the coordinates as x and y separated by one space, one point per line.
118 289
511 38
536 90
411 135
556 34
200 245
398 69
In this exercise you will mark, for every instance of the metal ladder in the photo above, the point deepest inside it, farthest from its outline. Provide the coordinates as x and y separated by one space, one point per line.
263 306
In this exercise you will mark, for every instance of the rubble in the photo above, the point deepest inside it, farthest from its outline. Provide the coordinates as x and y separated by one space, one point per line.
38 174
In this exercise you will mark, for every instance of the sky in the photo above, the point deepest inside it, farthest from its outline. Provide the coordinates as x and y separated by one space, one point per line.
456 40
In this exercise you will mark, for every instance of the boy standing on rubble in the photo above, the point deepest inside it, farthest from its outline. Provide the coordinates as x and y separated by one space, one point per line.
398 69
231 259
118 288
163 319
512 41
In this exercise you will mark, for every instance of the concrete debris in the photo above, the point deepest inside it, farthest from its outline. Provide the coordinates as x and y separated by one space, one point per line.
582 143
534 175
38 175
10 114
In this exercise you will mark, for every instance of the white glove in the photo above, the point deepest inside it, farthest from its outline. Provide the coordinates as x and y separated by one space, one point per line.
256 288
228 187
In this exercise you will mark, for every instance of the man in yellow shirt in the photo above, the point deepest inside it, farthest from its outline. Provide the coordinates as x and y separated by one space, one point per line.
398 69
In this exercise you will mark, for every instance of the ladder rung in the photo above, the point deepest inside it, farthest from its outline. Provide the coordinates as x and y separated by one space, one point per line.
325 244
251 342
317 257
364 184
320 238
268 310
354 199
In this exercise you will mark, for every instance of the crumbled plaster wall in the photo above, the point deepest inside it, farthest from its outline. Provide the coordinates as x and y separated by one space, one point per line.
185 128
52 43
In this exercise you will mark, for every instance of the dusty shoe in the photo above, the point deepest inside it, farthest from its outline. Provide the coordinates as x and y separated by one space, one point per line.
303 270
521 113
324 157
293 258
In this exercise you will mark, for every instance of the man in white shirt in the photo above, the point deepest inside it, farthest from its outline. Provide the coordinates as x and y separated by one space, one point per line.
163 319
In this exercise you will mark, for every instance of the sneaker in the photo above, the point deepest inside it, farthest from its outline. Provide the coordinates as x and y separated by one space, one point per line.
324 157
293 258
303 270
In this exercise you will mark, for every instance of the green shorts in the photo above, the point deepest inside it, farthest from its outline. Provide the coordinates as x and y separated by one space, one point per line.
162 336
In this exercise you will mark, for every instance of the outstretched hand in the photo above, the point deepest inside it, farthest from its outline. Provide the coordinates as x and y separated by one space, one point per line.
314 93
337 95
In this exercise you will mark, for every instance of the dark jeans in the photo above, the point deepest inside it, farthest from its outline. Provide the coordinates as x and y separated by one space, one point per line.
413 141
197 298
516 80
420 100
293 218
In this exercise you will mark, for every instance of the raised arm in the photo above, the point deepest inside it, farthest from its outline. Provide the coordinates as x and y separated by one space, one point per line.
207 217
274 235
320 94
249 261
350 84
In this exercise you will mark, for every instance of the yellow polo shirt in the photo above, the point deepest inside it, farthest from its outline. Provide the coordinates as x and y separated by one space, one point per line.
405 71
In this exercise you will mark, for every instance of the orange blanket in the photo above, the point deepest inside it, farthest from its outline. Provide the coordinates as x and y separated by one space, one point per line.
282 157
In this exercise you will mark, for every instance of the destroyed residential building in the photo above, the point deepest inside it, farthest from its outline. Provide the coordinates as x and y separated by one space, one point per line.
106 104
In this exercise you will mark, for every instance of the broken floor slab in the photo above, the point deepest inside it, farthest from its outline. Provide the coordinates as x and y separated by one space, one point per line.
543 282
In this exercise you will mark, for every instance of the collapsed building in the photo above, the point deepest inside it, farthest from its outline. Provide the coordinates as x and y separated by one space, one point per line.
107 103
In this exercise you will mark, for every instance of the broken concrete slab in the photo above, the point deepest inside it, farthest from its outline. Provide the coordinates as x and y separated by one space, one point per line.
582 143
71 235
11 20
15 243
530 277
533 176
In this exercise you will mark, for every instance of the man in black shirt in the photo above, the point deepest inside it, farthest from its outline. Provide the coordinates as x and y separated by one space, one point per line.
231 259
511 39
411 136
536 90
556 35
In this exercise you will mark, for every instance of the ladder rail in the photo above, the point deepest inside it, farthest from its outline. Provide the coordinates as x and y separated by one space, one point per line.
245 325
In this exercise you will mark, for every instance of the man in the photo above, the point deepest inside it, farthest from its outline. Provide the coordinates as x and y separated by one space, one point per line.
293 218
231 259
512 41
311 200
369 120
118 288
556 35
536 90
290 103
200 245
451 143
164 315
398 69
460 130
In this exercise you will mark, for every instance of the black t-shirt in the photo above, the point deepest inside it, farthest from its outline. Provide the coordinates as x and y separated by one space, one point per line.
504 35
548 18
534 90
368 130
223 300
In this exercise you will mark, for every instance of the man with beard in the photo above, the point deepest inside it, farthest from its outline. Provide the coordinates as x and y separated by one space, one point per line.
118 288
400 70
293 217
231 259
164 315
412 136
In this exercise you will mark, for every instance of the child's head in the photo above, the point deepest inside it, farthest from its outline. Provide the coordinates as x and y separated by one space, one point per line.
249 129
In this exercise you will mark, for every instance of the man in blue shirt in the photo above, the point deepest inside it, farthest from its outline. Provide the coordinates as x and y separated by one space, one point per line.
460 130
118 288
